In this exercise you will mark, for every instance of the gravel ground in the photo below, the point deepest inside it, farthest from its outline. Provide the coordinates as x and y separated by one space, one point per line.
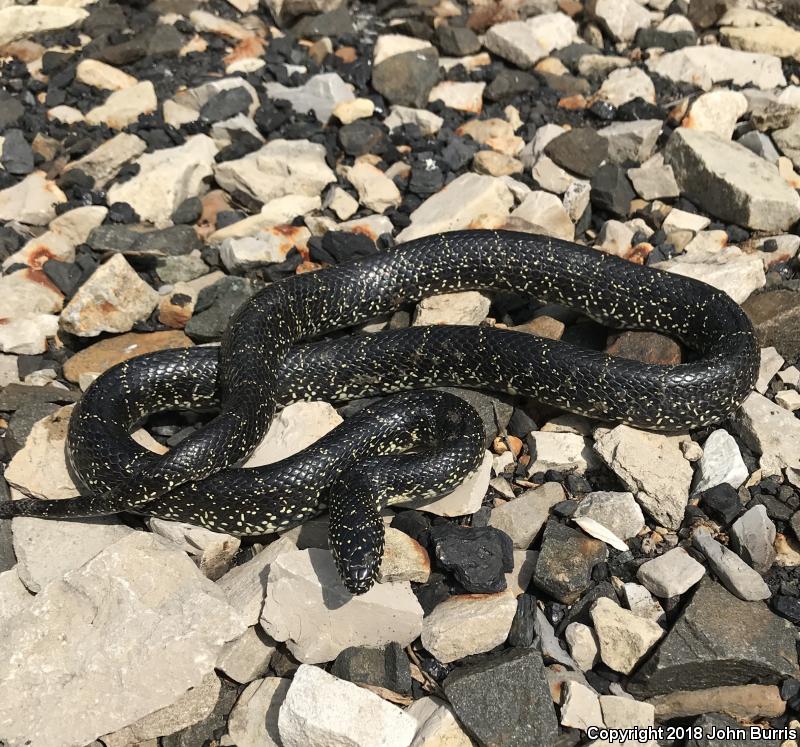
161 161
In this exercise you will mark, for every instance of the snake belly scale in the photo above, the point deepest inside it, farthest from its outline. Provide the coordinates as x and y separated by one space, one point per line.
363 464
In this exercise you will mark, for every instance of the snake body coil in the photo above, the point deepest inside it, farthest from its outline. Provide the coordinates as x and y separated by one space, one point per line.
257 368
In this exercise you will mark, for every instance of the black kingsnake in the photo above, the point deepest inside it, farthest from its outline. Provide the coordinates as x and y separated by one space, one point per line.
359 466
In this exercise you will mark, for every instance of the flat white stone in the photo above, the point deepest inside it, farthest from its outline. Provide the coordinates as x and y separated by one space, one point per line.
437 725
247 658
253 722
166 178
100 75
580 707
523 517
717 112
428 122
562 451
721 462
468 624
652 467
466 97
546 210
618 512
27 334
524 43
705 65
31 201
375 190
461 307
624 638
320 710
21 295
21 21
103 163
138 614
753 537
626 84
583 645
124 106
670 574
771 431
771 361
738 577
639 601
622 18
389 45
308 607
320 94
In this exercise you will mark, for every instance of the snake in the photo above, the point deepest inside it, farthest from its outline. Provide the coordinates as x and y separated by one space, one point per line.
423 440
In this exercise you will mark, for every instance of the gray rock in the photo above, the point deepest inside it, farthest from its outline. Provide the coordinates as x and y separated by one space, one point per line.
654 179
505 700
719 640
670 574
760 144
771 431
247 658
618 512
320 94
752 536
139 614
214 723
254 719
215 305
523 517
775 315
386 667
721 462
566 560
17 156
714 724
631 141
730 181
580 151
407 78
624 637
737 576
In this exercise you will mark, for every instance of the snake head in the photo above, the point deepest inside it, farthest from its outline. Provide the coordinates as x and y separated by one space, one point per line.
356 542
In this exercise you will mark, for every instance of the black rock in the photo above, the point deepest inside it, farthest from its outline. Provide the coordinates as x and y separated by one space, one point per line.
242 143
523 626
413 523
53 62
424 180
457 41
407 78
65 276
505 700
722 504
667 40
174 241
122 212
580 151
794 522
788 607
333 24
11 110
638 108
478 557
7 557
75 178
17 155
719 640
566 560
714 725
361 137
226 104
188 212
112 238
459 152
215 305
611 190
434 591
509 83
16 396
495 413
566 85
336 247
22 421
383 667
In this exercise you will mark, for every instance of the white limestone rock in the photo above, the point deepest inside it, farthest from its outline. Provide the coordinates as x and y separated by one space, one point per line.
27 334
471 200
124 106
461 307
21 21
31 201
138 614
467 497
437 725
753 537
295 427
625 85
113 299
321 710
618 512
247 658
320 94
103 163
721 463
468 624
625 639
583 645
737 184
100 75
738 577
265 247
524 43
771 431
580 707
166 178
253 722
641 602
523 517
281 167
705 65
308 607
428 122
546 211
716 112
631 141
621 18
771 361
562 451
670 574
404 559
213 551
375 190
652 467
